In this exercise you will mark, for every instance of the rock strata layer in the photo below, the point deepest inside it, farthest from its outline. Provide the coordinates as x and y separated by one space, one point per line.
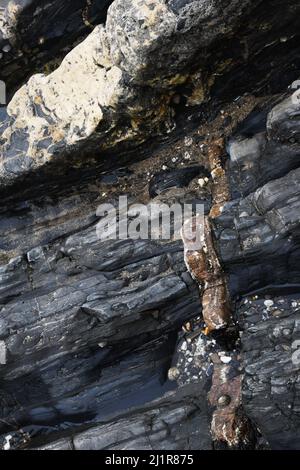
126 74
103 344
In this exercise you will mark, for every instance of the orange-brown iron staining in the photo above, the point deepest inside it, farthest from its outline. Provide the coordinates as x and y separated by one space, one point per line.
229 423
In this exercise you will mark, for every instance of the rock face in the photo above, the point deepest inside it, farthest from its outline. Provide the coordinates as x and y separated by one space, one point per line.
271 357
103 343
112 73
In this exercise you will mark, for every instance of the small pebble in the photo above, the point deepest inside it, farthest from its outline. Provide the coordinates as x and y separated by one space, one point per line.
286 332
188 326
6 48
202 182
224 400
188 141
7 442
184 346
225 359
268 303
276 313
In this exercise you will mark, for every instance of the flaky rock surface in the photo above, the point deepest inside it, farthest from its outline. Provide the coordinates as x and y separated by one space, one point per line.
90 329
126 74
35 35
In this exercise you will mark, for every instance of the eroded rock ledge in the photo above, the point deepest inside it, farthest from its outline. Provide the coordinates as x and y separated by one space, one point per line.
91 331
35 35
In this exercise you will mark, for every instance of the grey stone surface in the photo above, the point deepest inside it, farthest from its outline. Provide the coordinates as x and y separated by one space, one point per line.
270 343
263 225
175 426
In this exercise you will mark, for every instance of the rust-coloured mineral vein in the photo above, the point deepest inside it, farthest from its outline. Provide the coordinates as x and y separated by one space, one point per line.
229 424
220 190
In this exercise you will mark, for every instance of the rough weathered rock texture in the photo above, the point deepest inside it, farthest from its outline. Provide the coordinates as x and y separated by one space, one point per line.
92 350
258 240
271 340
36 34
126 74
177 422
